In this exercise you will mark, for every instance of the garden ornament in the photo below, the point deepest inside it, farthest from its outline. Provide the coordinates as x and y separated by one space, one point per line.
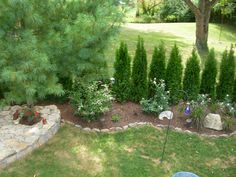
184 174
187 109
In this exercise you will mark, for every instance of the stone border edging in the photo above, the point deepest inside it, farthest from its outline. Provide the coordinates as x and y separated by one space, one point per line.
53 117
141 124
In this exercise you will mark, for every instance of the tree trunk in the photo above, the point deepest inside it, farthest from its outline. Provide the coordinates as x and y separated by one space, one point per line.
202 15
202 33
137 10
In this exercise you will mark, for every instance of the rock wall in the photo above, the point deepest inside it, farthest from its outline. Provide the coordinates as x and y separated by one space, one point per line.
17 140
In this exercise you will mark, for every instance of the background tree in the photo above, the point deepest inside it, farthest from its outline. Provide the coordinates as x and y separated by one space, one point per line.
202 13
174 73
157 68
191 81
122 73
227 75
209 74
139 73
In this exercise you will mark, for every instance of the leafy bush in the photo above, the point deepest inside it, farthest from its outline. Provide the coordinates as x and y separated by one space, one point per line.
191 81
139 73
227 75
208 81
228 123
227 107
115 118
91 100
159 102
121 86
198 113
157 68
173 11
174 75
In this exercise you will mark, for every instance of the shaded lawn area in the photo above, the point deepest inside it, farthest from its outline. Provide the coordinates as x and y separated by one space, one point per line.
183 34
133 153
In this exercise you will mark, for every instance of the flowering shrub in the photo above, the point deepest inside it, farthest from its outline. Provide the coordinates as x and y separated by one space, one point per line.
90 101
159 102
227 107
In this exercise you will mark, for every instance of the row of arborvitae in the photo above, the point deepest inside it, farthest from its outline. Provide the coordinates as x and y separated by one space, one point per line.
138 84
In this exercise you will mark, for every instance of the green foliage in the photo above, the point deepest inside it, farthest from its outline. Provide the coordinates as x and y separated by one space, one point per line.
121 86
43 40
174 75
228 123
91 100
139 73
227 107
115 118
208 81
198 111
157 68
227 75
191 81
234 92
159 102
175 11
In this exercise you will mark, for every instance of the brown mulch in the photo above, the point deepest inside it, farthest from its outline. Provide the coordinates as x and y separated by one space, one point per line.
129 113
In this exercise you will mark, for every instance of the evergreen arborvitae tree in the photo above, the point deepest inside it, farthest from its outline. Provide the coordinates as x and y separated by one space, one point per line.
139 73
209 74
191 81
174 73
157 68
122 73
227 75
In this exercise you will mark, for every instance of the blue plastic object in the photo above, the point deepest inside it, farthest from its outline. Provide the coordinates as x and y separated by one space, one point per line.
184 174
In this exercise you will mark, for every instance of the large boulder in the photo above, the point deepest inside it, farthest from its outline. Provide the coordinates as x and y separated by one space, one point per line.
213 121
166 114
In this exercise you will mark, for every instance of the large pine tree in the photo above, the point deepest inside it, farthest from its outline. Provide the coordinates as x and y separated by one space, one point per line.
122 73
139 73
209 74
191 81
43 40
157 67
174 73
227 75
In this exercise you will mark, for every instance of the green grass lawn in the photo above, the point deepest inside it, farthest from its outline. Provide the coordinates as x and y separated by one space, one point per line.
133 153
183 34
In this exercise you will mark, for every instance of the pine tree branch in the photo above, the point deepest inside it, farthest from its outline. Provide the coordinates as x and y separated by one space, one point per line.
193 8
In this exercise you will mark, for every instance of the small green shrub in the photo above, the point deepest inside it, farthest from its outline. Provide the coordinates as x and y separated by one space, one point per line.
228 123
91 100
227 107
159 102
115 118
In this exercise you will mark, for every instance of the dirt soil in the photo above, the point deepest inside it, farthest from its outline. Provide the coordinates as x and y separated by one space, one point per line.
129 113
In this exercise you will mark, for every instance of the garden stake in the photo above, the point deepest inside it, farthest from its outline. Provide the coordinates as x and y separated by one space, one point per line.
164 147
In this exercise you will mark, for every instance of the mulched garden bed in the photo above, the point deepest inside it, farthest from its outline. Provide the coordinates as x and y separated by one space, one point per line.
129 113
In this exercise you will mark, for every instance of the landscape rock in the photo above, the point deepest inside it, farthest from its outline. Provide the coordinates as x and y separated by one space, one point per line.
213 121
166 114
